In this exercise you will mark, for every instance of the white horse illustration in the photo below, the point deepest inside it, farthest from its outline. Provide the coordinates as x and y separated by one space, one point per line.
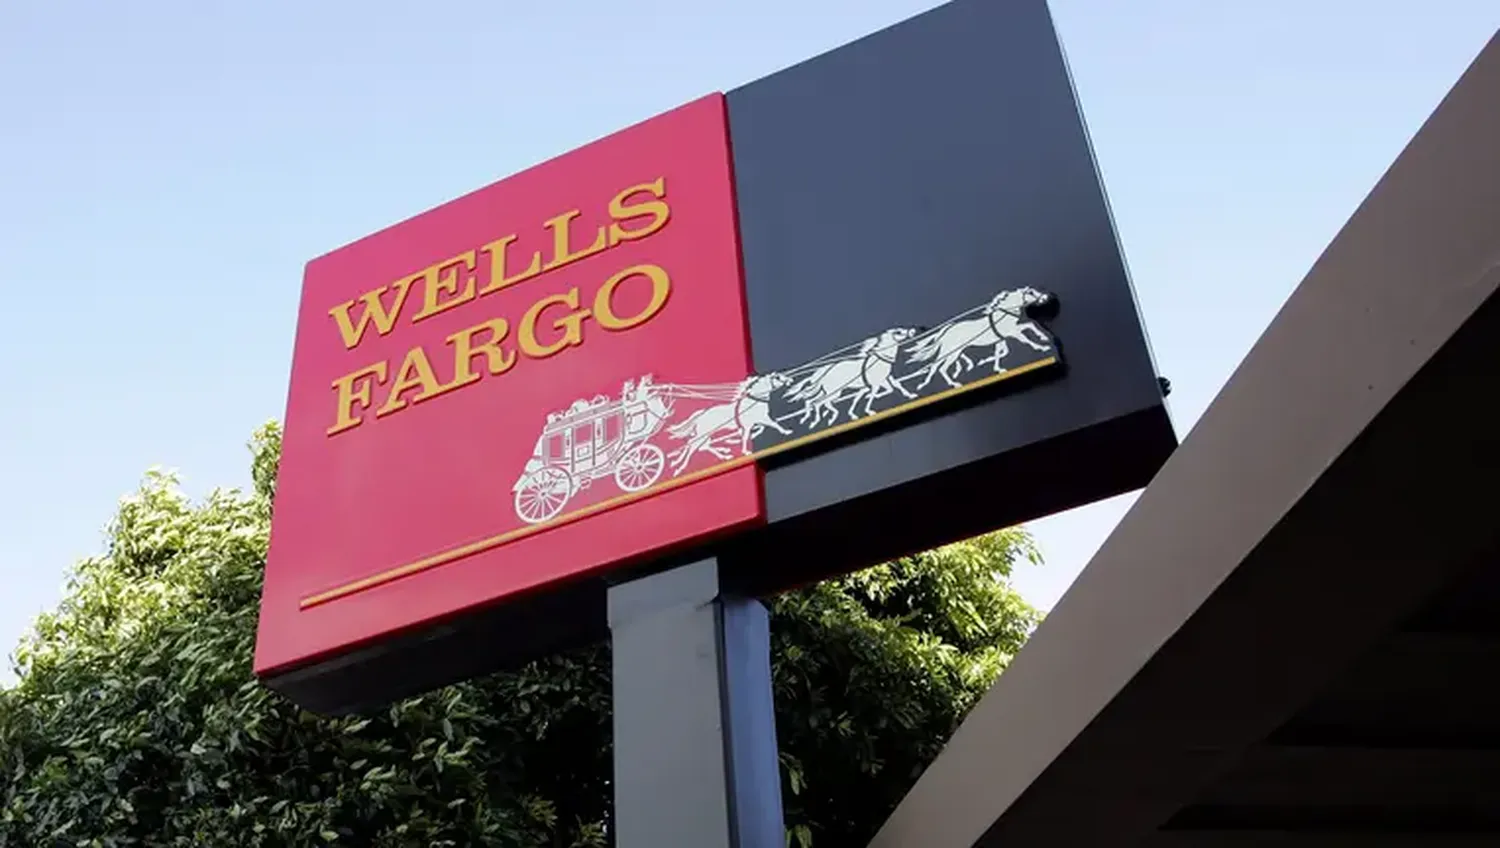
1003 319
717 428
875 381
865 374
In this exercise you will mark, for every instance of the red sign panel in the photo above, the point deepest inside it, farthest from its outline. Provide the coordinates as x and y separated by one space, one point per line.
510 389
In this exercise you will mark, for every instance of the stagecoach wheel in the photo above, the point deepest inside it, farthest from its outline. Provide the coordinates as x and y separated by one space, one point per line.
543 494
639 467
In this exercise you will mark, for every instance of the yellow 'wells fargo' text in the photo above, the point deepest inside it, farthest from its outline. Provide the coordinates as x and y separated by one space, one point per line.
549 326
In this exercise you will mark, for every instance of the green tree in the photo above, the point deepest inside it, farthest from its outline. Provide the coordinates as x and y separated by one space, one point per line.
136 721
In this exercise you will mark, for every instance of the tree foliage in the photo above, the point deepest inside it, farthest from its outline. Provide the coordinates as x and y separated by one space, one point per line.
136 721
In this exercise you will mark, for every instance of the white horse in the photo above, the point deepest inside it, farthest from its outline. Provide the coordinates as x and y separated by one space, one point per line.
867 371
1003 320
715 428
875 372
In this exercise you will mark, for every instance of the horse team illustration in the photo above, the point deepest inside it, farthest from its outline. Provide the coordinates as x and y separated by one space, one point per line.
864 375
607 437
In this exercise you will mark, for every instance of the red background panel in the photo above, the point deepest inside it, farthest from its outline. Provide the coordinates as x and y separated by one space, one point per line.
438 475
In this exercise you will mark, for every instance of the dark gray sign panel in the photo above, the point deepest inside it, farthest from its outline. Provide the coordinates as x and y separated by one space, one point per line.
929 192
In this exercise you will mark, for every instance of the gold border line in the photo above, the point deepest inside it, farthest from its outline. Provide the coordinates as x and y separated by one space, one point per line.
485 544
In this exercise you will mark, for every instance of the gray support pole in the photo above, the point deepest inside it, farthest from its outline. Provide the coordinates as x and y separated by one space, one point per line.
696 762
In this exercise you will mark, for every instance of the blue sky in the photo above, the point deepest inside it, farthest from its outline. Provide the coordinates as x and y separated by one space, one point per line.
166 168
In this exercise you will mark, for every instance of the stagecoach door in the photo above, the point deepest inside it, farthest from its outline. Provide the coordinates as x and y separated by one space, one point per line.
555 449
583 446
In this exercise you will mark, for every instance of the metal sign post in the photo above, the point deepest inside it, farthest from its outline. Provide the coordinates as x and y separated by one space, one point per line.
694 724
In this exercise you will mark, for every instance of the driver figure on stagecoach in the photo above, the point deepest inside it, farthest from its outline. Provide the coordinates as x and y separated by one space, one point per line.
636 392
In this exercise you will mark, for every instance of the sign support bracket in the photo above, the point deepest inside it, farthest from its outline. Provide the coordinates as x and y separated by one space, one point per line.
695 756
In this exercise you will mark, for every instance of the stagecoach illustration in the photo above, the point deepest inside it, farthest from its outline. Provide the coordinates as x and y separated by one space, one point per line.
602 437
593 439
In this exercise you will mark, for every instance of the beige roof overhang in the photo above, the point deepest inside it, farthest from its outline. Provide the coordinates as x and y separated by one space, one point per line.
1342 481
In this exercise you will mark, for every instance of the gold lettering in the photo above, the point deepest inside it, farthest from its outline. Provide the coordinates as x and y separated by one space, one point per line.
349 394
561 238
415 372
604 311
620 211
571 324
374 311
497 359
497 250
444 278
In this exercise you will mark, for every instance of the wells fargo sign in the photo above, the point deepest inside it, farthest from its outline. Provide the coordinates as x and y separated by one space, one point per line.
769 325
443 408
